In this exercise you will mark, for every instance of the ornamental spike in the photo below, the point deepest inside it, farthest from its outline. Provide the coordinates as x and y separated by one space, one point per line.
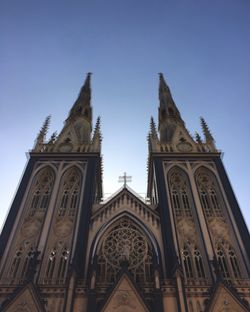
206 131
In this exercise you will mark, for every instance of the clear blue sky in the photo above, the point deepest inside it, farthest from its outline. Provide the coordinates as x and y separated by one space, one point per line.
202 47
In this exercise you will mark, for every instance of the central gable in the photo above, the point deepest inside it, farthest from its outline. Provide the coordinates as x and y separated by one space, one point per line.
125 298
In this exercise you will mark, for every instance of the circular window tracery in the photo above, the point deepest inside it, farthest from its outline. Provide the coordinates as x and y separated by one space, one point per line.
125 243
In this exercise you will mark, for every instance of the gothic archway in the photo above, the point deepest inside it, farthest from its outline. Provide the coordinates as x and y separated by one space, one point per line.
125 243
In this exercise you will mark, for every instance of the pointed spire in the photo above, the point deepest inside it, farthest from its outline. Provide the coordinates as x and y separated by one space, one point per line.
153 130
163 87
167 103
97 137
42 133
206 131
82 105
85 92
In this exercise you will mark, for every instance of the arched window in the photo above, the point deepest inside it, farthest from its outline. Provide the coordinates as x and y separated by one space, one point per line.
180 193
209 193
41 191
51 264
234 263
187 262
222 263
63 263
198 263
70 192
27 260
16 263
123 243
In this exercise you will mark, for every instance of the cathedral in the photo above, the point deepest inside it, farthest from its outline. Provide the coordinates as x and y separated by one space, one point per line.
64 249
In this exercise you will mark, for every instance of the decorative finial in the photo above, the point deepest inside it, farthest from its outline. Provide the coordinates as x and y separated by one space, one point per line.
198 138
153 130
206 131
42 133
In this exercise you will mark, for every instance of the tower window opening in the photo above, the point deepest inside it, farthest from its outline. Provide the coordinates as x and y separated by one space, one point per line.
51 264
180 193
215 203
176 202
199 263
186 206
222 263
41 192
16 264
205 203
63 264
70 193
234 263
35 200
209 193
26 263
187 263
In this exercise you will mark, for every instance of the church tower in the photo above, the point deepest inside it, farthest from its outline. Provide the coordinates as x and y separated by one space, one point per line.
206 241
43 241
185 248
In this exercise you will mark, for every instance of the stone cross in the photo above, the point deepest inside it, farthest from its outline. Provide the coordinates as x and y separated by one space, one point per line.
125 179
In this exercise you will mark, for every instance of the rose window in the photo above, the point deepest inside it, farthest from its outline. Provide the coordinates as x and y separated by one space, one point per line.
125 243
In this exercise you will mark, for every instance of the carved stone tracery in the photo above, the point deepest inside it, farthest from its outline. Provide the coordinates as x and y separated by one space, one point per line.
125 243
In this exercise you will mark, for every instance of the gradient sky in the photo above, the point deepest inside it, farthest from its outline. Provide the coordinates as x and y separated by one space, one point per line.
202 47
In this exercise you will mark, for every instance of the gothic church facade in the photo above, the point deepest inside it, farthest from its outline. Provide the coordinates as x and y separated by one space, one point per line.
63 249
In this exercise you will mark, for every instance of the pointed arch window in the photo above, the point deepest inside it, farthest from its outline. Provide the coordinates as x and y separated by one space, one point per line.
63 263
198 263
180 193
16 263
51 264
41 191
26 263
70 192
222 263
209 193
187 262
234 263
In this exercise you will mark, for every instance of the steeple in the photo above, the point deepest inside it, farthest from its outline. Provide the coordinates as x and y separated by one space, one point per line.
82 105
169 115
167 104
78 126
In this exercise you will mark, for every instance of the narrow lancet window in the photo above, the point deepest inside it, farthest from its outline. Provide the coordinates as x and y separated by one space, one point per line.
51 264
16 263
222 262
187 262
234 263
63 263
209 193
199 263
70 188
41 191
180 193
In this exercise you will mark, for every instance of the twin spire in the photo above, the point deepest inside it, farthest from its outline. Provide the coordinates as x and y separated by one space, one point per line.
173 133
76 135
82 105
77 131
